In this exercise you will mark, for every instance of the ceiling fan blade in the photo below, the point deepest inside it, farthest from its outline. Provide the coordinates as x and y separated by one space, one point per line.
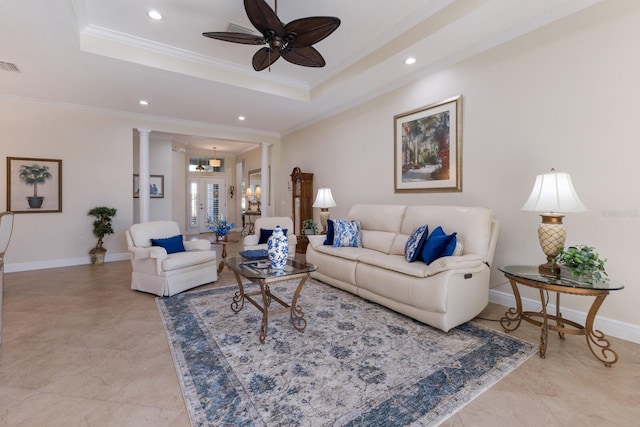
306 56
309 31
263 17
264 58
236 37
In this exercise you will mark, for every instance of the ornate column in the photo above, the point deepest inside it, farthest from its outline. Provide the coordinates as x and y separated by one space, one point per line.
264 180
143 168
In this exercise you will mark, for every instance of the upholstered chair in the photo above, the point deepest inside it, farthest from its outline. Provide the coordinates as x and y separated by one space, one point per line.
6 228
163 263
253 241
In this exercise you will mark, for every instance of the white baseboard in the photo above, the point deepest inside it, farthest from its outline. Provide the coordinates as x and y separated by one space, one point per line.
56 263
614 328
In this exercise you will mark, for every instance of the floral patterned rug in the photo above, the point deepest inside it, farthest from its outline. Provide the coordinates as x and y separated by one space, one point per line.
357 363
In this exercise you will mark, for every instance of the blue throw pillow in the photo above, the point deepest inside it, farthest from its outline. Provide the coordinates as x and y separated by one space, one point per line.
254 254
170 244
346 233
438 244
330 233
414 245
265 233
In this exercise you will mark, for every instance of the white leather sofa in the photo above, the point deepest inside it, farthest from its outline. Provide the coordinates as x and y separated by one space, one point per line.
251 242
157 272
446 293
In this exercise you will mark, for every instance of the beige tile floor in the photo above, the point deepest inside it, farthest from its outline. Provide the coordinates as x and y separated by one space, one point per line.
80 348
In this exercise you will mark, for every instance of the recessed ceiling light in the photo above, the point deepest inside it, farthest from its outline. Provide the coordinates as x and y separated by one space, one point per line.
143 102
154 14
409 61
241 118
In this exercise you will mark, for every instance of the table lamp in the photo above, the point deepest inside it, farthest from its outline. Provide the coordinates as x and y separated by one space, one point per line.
249 195
552 195
324 201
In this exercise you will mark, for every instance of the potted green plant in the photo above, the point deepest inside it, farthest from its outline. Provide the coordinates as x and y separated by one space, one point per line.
582 263
309 227
101 227
34 175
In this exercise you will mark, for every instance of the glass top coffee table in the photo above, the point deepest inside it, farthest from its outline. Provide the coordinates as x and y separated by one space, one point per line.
530 276
254 272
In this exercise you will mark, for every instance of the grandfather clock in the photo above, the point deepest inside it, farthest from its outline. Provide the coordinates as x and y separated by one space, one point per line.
302 200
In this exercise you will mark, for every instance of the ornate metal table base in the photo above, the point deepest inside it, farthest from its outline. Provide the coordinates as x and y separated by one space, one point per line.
296 319
599 346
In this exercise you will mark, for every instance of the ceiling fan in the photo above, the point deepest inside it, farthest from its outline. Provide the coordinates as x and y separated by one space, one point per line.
291 41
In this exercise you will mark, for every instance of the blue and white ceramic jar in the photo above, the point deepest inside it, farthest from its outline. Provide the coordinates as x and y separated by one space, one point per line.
278 249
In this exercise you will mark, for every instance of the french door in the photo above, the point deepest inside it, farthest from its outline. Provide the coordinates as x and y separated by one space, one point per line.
207 202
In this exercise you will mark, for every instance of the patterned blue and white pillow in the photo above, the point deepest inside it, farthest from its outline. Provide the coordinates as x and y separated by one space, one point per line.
413 247
346 233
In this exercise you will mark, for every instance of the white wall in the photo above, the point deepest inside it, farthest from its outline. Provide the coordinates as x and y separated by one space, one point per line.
97 153
563 97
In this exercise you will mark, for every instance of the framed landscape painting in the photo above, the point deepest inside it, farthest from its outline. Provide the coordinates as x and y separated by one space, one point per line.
34 185
427 148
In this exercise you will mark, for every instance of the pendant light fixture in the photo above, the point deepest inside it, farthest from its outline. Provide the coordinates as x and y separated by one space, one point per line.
214 162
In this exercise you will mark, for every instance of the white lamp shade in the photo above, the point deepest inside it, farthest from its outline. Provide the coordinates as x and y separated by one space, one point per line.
554 193
324 199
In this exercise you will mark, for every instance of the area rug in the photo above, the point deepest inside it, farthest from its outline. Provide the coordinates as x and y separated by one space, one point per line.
357 363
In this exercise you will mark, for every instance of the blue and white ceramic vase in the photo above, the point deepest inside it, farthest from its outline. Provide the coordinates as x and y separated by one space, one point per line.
278 249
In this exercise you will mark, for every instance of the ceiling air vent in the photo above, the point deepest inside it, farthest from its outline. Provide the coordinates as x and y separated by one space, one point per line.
235 28
8 66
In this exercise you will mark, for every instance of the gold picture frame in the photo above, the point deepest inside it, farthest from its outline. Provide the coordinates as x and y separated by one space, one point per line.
428 148
34 185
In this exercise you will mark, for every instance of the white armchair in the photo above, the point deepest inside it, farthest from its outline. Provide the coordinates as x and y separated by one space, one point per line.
251 242
165 274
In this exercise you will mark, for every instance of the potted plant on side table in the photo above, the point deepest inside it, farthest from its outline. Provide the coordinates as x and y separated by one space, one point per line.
310 227
101 227
581 262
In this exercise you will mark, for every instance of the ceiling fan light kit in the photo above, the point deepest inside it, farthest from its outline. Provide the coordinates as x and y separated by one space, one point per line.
292 41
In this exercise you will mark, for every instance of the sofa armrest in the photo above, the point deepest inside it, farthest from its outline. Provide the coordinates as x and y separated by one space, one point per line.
200 244
455 263
316 240
251 240
156 252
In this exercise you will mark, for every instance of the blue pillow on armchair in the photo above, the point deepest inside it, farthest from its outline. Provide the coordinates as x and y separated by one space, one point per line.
438 244
170 244
265 233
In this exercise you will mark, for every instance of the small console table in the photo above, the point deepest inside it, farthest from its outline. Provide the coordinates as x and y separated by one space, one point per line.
530 276
250 219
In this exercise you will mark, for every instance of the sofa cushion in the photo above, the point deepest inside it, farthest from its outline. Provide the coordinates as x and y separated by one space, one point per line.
473 224
380 217
438 244
346 234
377 240
170 244
415 242
180 260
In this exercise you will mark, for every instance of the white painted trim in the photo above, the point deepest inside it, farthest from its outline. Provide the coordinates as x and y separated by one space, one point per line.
57 263
614 328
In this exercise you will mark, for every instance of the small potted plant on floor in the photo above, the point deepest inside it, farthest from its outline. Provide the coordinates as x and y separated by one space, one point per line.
101 227
581 262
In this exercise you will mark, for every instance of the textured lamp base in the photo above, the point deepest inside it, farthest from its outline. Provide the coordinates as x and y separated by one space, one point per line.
552 235
324 216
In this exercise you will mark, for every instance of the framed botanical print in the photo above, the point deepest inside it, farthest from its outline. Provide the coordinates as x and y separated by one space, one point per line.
34 185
